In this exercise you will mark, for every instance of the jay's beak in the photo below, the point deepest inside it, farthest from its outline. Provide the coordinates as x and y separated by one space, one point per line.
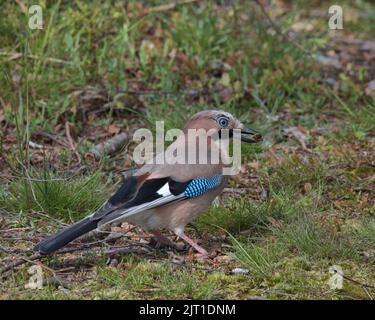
250 136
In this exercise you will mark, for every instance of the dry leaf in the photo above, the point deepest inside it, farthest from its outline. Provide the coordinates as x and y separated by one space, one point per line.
112 129
307 187
2 117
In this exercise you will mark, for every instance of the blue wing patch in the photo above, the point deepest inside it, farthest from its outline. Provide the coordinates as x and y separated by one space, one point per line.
199 186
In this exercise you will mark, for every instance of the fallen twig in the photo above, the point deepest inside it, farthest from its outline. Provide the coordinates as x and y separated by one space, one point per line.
22 6
20 262
191 266
71 142
363 285
110 146
69 136
51 137
237 190
128 249
111 252
17 55
12 177
48 217
6 250
15 229
168 6
34 145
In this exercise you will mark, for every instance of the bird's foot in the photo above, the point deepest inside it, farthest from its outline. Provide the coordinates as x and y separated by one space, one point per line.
160 241
193 244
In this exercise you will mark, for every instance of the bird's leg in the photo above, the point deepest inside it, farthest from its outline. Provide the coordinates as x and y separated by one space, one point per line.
191 242
163 240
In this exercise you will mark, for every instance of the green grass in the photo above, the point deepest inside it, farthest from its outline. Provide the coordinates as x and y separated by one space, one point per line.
68 199
318 210
166 280
365 231
307 239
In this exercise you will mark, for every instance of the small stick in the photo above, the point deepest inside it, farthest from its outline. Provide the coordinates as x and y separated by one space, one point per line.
68 135
169 6
22 6
71 142
17 55
20 262
237 190
34 145
51 137
109 147
36 257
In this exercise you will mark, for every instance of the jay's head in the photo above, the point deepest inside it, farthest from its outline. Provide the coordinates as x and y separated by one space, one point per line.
219 121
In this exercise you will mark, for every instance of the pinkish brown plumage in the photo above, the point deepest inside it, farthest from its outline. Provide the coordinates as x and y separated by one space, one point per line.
168 195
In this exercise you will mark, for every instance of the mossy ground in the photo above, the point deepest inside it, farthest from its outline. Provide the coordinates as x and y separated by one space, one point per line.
98 68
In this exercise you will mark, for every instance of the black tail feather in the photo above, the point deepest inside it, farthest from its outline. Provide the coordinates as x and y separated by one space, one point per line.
65 236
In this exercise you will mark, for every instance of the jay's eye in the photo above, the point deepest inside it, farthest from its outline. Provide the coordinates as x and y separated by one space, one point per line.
223 122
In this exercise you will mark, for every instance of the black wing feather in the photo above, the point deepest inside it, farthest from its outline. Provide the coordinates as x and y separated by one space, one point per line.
129 195
125 192
147 193
176 187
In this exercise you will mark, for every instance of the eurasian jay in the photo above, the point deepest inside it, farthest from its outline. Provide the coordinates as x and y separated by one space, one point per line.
167 195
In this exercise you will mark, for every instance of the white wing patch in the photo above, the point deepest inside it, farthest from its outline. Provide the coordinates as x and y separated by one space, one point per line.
164 190
121 216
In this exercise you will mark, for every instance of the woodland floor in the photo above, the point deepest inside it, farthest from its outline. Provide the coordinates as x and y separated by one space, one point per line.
304 199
